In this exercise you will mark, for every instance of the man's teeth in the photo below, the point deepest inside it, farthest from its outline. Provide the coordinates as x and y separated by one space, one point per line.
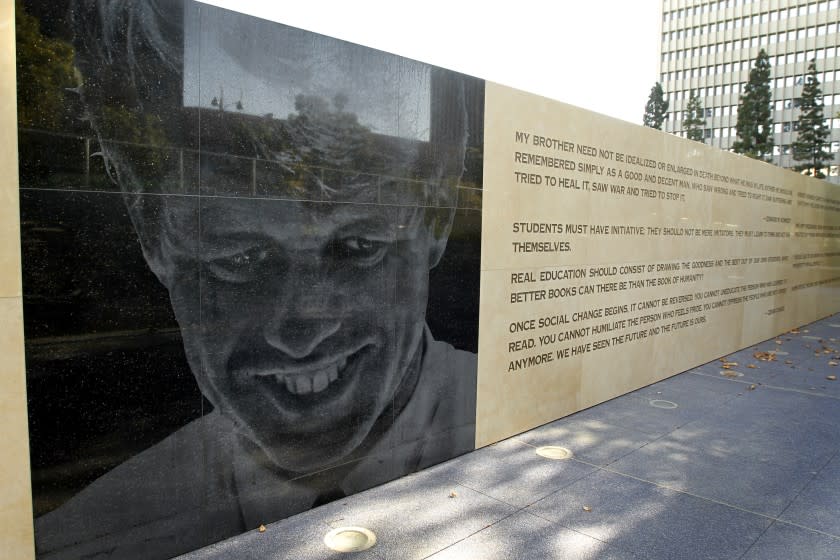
312 381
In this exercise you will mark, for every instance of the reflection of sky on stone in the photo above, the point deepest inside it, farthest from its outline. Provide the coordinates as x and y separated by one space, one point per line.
265 65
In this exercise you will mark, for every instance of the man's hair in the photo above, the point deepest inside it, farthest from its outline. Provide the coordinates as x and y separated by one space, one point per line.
131 58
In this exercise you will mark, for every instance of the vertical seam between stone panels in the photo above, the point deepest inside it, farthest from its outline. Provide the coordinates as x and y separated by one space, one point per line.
200 18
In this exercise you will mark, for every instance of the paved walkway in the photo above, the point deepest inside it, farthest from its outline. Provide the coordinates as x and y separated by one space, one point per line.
746 466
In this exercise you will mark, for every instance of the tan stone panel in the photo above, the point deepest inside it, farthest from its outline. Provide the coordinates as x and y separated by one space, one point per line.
16 533
9 211
687 253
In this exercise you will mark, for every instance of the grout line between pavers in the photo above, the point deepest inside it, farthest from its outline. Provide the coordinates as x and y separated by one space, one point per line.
758 538
806 528
474 532
566 485
551 522
807 484
714 501
787 389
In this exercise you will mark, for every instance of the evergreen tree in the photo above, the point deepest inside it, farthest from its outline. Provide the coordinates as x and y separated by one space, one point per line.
809 146
655 108
693 119
755 112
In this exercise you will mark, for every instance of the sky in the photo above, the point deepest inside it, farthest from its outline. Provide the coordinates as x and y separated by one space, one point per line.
601 55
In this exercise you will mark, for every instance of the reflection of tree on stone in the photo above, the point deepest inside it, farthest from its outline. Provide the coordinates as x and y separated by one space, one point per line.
44 72
220 100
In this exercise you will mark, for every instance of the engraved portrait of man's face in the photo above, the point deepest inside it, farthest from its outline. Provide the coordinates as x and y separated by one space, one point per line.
302 320
311 319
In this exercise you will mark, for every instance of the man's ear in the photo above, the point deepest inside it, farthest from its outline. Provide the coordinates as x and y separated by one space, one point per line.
440 228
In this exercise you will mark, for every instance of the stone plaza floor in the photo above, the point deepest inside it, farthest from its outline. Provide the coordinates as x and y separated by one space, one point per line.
736 459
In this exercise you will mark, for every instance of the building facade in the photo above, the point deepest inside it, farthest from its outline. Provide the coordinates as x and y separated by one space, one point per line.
709 47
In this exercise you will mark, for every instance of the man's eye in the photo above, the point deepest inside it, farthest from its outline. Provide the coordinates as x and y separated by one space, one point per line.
240 267
361 251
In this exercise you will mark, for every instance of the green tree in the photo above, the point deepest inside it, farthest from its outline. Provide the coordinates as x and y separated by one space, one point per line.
755 112
655 108
693 119
44 72
809 146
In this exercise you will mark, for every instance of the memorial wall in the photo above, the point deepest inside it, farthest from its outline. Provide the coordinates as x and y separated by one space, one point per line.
264 269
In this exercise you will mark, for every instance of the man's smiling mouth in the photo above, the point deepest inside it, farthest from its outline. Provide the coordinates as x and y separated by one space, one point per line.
302 379
310 381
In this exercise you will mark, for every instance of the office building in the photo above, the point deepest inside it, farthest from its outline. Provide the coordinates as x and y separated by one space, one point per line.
709 47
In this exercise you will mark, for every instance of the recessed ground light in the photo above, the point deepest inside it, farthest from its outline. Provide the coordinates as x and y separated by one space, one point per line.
554 452
350 539
663 404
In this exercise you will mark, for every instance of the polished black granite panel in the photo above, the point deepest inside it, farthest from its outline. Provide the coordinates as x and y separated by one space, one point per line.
251 263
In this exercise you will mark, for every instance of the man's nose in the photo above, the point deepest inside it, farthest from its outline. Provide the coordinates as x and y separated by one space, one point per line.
304 313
